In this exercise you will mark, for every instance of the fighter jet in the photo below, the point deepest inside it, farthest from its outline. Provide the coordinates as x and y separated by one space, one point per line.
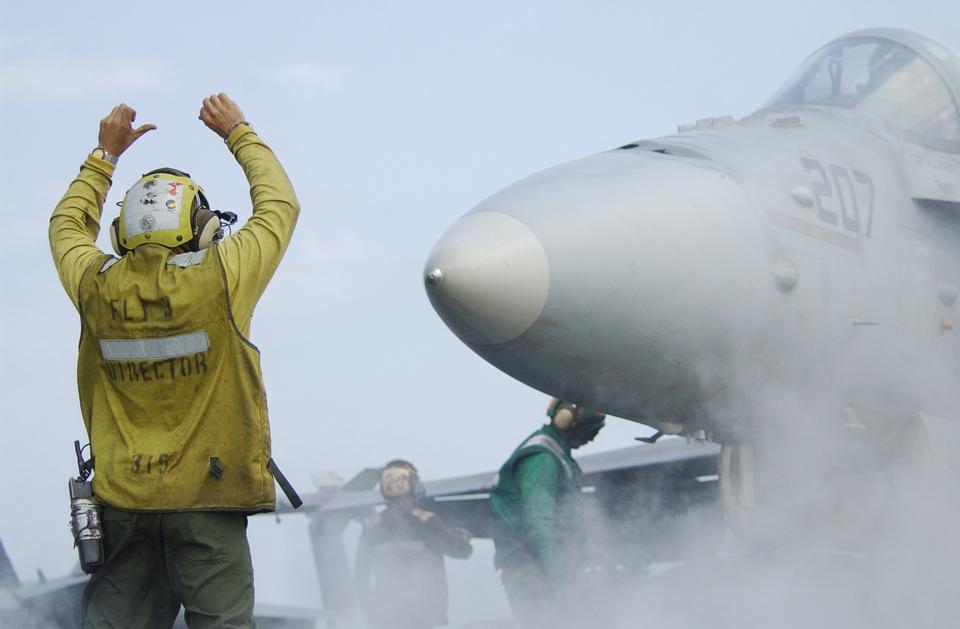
804 256
55 603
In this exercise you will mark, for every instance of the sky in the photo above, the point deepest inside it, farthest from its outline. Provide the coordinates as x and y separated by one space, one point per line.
392 120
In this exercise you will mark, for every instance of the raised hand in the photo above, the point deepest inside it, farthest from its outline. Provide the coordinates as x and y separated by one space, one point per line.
117 132
220 114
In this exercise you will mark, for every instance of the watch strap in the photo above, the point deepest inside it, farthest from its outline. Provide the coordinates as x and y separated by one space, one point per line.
102 153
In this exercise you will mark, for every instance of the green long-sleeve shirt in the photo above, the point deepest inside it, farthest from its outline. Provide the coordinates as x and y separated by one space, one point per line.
534 502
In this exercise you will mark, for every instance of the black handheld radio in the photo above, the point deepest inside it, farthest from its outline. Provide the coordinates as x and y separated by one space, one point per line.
85 523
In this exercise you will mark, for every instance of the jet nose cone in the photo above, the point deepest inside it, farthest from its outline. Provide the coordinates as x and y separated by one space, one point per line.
488 278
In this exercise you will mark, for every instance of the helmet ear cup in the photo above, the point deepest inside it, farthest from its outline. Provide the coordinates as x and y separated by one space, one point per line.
206 229
563 418
119 249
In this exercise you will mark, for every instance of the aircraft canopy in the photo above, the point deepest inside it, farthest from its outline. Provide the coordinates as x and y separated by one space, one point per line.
905 80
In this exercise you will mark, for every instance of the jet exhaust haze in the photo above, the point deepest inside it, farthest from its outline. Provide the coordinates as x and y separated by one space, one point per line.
683 282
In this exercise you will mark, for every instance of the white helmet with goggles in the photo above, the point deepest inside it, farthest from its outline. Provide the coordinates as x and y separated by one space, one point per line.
168 208
400 479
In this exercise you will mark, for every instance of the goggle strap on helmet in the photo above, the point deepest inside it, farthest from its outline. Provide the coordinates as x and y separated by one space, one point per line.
552 408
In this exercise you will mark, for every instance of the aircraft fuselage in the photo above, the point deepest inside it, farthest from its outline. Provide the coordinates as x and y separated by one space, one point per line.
681 279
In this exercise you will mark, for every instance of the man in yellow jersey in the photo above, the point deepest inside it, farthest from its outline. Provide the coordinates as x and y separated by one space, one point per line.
170 385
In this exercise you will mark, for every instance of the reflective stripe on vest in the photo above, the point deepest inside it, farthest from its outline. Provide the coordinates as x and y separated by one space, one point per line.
154 349
171 392
549 443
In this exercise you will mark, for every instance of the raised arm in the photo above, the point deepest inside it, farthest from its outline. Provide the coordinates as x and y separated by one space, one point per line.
75 223
251 255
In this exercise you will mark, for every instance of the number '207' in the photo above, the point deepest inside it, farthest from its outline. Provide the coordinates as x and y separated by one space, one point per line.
838 192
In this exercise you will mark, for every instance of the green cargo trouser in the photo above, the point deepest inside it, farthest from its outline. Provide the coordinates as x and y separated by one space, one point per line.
156 562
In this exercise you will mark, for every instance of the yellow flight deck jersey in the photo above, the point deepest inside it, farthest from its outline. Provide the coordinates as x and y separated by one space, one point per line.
170 386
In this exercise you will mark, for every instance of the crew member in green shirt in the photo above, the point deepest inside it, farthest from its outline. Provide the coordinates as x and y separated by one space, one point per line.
535 503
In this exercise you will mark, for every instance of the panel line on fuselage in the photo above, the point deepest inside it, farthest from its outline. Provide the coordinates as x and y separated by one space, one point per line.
812 230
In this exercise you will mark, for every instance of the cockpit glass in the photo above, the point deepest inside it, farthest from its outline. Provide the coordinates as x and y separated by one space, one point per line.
881 79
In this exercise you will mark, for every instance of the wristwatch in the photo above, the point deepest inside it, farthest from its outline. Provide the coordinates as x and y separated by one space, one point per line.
100 153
